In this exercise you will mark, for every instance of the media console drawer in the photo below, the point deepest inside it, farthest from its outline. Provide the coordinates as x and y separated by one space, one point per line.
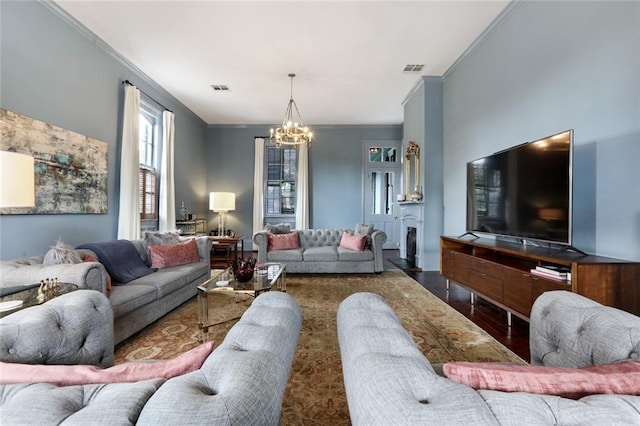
487 285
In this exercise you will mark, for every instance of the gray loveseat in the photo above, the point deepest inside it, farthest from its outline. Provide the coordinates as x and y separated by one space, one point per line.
320 252
135 304
242 382
389 382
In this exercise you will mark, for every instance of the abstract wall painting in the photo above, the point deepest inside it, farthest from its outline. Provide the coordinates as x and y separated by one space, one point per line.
70 168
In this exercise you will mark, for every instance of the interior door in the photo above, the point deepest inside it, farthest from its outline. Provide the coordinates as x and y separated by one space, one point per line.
381 184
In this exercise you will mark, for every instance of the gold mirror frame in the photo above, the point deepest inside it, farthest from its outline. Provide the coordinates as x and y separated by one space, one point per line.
412 150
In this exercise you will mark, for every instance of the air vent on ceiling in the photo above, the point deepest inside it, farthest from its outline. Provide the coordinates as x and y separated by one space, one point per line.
413 68
220 87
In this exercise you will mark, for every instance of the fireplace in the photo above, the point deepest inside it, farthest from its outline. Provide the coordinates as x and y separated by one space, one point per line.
411 246
411 233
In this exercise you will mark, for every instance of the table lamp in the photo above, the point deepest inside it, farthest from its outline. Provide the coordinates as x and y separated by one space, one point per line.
222 202
17 188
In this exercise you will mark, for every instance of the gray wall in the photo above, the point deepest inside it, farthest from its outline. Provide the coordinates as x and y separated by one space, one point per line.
548 67
54 72
335 172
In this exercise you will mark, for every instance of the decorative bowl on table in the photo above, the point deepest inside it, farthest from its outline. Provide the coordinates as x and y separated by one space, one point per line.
243 269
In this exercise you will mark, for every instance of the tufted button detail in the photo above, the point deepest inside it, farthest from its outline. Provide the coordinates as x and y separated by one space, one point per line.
12 351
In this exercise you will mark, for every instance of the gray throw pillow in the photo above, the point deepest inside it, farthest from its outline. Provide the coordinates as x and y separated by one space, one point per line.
169 238
280 228
61 253
362 229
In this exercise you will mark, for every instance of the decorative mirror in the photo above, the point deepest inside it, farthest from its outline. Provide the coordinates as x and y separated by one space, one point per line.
412 172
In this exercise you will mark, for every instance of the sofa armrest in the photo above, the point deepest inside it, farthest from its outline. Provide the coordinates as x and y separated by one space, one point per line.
86 275
569 330
378 238
204 249
74 328
261 240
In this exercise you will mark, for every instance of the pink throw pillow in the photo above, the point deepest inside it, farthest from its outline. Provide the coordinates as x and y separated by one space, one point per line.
353 242
283 241
68 375
89 258
178 254
619 378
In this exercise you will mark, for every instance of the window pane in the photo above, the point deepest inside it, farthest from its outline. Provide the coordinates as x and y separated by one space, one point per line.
281 172
389 155
375 154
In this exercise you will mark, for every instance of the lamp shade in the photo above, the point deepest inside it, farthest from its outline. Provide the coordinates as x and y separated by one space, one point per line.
17 188
222 201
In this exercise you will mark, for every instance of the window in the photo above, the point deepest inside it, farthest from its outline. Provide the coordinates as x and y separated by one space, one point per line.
148 142
281 174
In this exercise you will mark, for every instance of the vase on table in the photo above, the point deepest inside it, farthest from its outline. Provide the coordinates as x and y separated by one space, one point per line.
243 269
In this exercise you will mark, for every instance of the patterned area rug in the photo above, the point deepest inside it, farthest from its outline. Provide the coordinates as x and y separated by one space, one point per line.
315 392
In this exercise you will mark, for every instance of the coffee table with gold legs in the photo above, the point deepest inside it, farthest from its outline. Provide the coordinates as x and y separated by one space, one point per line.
265 277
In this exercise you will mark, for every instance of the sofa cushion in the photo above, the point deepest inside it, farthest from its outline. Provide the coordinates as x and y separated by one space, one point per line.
174 255
321 254
346 255
131 297
619 378
280 228
156 238
294 255
167 280
283 241
353 242
120 258
68 375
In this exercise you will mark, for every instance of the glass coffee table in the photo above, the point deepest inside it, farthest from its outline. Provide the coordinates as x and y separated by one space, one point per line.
265 276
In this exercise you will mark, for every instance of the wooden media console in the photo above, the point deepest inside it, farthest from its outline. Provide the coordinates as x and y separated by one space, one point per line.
500 272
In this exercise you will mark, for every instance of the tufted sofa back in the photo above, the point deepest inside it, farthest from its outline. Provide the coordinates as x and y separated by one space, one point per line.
570 330
74 328
320 237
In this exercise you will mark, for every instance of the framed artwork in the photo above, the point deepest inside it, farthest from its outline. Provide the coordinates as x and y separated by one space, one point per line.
70 168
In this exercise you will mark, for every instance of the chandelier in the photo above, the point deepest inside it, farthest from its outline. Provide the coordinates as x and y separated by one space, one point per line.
291 132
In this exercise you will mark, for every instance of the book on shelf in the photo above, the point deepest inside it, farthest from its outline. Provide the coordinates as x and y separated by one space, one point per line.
560 271
564 276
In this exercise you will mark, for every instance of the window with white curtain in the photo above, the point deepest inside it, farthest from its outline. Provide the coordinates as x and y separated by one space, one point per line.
148 146
280 182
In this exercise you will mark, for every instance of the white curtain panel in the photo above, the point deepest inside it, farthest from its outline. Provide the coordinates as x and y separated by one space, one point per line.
167 208
302 188
258 188
129 213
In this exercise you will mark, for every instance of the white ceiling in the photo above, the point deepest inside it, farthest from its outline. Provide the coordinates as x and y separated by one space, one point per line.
348 56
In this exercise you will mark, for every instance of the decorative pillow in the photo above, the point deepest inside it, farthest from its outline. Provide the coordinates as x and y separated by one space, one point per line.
68 375
353 242
283 241
89 258
618 378
61 253
178 254
362 229
280 228
169 238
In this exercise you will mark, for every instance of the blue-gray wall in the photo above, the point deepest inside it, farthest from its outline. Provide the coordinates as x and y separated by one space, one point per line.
335 172
54 72
548 67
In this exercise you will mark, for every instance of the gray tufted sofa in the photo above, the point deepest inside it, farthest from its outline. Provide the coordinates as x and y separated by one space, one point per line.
319 252
389 382
135 304
242 382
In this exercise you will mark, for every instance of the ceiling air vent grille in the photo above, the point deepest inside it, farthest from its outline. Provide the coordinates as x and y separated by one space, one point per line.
220 87
413 68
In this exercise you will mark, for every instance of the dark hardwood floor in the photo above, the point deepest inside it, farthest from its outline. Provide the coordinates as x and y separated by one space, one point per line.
487 316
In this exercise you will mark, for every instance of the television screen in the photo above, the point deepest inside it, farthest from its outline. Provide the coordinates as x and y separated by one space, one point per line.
524 191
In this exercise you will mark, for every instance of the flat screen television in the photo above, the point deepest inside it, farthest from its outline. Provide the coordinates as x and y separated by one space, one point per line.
523 192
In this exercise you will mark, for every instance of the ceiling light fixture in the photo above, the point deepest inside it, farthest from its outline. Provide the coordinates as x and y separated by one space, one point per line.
291 132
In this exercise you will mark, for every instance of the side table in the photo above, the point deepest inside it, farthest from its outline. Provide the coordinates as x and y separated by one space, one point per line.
222 249
29 296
